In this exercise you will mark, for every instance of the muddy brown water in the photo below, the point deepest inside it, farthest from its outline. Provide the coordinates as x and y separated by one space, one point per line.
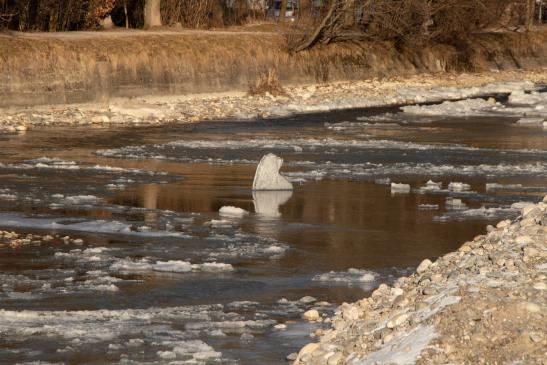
154 202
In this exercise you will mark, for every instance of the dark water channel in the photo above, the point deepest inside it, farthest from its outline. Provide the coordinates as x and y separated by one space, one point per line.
142 289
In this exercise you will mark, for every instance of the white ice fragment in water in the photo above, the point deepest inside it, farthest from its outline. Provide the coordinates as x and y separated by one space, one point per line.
267 202
384 181
400 188
172 266
219 223
267 176
530 122
231 211
428 207
458 186
213 267
432 185
349 277
452 203
496 186
185 266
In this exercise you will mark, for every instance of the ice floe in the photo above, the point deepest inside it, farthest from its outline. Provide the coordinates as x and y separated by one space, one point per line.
455 204
231 211
350 277
267 176
428 206
458 186
177 266
397 188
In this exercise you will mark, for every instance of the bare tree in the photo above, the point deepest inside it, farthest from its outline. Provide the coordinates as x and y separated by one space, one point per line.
305 8
530 11
282 12
152 13
417 22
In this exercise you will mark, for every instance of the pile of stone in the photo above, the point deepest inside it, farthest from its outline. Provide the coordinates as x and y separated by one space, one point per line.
483 304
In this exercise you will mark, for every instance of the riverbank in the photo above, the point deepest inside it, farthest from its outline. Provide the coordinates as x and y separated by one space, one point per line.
483 304
82 67
141 111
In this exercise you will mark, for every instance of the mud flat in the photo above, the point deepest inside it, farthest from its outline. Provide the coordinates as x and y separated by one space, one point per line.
158 110
484 303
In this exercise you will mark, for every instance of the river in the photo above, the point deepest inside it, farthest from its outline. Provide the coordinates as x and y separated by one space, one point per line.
153 274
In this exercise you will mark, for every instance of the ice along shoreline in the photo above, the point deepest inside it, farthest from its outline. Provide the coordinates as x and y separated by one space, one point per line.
484 303
159 110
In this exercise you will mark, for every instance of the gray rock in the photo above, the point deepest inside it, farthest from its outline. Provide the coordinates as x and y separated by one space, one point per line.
424 265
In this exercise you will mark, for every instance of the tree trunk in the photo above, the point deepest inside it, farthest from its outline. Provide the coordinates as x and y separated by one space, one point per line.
125 13
282 12
305 9
152 14
530 11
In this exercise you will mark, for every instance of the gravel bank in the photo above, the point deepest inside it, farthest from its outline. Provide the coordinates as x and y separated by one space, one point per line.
313 98
484 304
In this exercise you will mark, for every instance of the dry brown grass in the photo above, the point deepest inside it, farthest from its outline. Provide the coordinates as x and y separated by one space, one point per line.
267 82
75 67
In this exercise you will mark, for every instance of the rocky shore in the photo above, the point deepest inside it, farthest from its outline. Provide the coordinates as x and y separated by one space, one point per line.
483 304
145 111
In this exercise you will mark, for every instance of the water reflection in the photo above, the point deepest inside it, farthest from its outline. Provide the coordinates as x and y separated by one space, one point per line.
267 203
268 216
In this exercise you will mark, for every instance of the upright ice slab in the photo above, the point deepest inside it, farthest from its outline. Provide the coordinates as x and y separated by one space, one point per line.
267 176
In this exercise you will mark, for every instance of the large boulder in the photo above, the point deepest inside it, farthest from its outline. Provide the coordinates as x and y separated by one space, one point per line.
267 176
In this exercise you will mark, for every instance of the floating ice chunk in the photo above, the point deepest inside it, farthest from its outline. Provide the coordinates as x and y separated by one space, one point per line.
267 203
213 267
521 205
219 223
452 203
385 181
432 185
172 266
530 122
81 199
185 266
231 211
8 197
496 186
400 188
267 176
352 276
166 355
458 186
131 266
428 207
